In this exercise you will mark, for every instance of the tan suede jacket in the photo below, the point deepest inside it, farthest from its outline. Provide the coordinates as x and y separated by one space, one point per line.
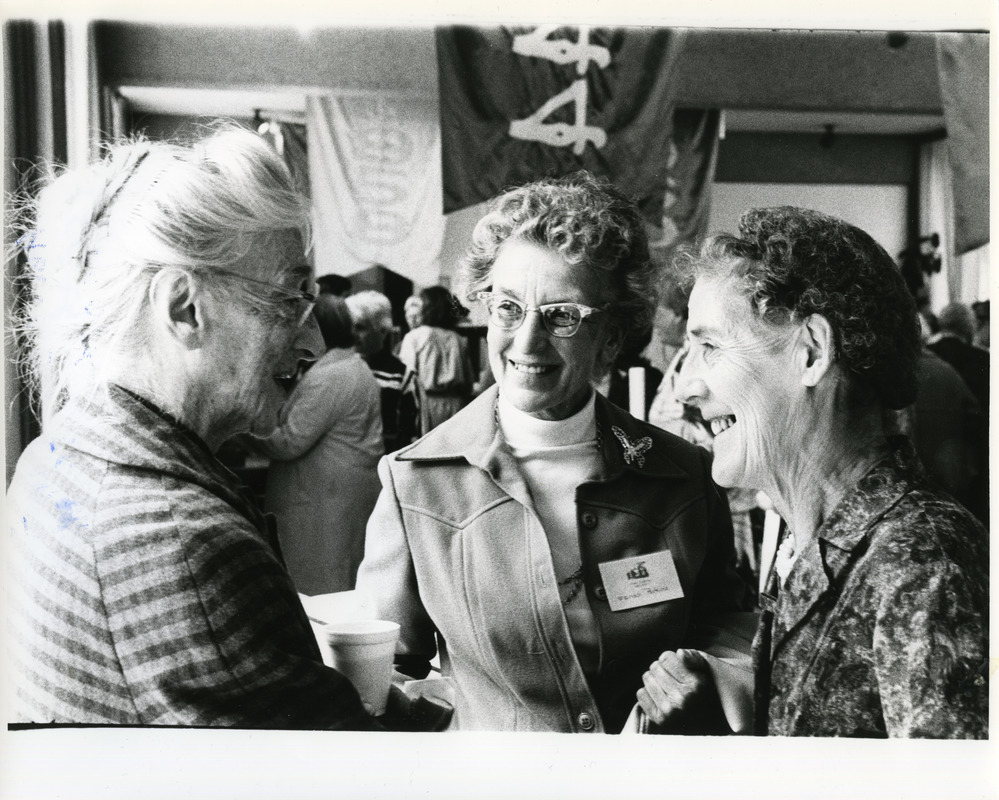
455 553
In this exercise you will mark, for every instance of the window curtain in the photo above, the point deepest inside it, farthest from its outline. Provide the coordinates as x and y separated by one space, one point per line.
936 215
963 276
963 64
375 177
35 134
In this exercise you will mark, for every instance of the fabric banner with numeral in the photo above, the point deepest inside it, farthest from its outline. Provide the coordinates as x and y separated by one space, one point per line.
522 103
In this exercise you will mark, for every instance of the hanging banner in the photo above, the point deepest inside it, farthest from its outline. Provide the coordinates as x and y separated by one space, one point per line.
518 104
374 165
690 173
963 63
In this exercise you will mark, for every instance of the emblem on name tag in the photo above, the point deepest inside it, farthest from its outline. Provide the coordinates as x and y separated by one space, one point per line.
641 580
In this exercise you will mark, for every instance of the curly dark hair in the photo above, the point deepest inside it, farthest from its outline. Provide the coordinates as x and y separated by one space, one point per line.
588 223
794 262
335 323
441 309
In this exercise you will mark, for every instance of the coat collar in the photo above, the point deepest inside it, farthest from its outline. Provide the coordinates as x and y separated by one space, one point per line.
473 435
843 537
120 427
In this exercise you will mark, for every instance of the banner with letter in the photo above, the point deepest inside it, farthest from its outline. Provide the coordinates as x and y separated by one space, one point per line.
522 103
375 175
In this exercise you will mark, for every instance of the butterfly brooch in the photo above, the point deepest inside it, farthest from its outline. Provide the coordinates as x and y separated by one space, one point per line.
633 453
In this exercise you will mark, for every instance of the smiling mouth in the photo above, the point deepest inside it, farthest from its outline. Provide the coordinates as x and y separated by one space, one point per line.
531 369
720 424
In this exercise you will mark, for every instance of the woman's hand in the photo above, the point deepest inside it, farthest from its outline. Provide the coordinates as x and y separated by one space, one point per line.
680 696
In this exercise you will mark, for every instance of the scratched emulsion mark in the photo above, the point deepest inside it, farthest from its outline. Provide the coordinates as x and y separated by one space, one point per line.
65 509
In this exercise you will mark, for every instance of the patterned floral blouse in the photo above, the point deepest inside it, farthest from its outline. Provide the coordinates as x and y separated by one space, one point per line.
881 627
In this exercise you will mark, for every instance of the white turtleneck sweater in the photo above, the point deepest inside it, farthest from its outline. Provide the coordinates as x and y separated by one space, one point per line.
556 456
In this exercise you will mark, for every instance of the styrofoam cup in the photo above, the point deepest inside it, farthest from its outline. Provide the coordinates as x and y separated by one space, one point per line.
363 650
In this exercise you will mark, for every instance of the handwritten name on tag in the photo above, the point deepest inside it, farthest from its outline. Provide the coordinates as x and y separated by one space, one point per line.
640 580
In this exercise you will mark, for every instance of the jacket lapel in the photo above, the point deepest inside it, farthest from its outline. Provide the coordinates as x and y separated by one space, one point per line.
472 435
622 436
841 540
801 593
123 428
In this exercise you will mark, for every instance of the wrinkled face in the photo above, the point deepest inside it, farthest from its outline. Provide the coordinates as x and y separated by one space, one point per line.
543 375
739 374
369 334
254 351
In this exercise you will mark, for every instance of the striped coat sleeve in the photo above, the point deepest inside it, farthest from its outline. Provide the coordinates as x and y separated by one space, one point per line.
205 621
62 655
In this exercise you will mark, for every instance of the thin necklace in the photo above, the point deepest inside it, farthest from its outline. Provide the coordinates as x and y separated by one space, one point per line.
575 584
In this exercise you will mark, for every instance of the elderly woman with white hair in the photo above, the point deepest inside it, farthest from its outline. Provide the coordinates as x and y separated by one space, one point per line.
170 306
371 313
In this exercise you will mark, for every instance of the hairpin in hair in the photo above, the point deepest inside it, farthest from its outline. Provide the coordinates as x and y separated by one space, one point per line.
101 210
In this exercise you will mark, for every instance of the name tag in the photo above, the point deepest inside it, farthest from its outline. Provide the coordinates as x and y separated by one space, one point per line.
640 580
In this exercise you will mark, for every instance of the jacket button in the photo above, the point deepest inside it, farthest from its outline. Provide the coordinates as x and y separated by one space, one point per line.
600 592
589 519
585 721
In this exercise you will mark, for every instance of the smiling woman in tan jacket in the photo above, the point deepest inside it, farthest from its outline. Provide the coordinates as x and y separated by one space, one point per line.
549 546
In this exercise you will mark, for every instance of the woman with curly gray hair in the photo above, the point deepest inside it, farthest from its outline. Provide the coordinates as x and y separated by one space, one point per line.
802 334
545 543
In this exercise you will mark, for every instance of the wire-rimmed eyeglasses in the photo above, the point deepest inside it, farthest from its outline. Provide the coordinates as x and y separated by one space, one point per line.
559 319
296 302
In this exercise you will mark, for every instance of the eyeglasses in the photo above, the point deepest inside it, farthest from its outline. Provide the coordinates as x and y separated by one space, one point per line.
296 303
560 319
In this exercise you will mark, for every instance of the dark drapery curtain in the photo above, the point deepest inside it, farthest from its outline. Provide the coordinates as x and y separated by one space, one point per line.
519 104
691 173
35 134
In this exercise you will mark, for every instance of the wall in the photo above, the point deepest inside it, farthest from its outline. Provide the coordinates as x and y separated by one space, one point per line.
867 180
800 70
879 210
174 128
379 58
755 69
806 158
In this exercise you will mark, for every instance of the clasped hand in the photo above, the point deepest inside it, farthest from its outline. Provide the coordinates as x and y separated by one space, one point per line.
414 714
679 696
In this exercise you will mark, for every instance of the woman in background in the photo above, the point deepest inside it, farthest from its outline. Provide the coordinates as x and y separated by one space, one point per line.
322 482
438 358
411 311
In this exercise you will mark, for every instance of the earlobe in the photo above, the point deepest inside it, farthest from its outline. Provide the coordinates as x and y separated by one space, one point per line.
818 348
175 300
